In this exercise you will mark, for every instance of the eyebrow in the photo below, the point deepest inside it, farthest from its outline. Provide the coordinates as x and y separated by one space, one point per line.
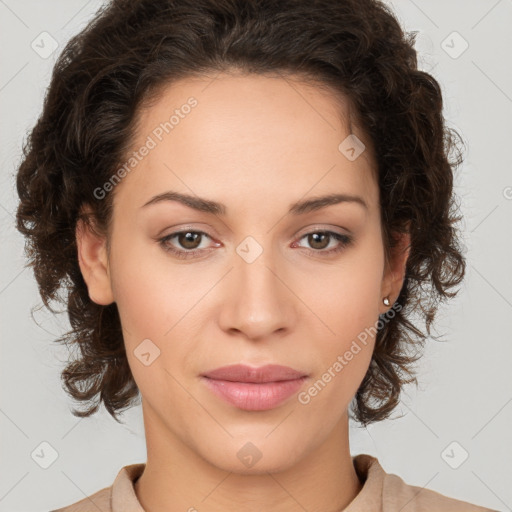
215 208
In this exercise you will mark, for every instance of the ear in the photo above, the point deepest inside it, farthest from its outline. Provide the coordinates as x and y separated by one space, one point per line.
93 261
394 271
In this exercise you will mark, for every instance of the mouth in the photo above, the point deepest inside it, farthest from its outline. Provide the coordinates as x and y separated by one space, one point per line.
254 389
262 374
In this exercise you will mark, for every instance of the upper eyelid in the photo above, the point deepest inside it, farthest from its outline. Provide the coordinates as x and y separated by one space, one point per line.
312 228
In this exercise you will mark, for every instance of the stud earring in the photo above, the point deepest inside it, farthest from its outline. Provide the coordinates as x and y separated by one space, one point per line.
386 301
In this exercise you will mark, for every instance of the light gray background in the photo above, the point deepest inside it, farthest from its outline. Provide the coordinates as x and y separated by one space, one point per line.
465 392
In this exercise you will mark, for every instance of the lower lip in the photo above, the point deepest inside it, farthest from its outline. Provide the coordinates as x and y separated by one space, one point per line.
254 397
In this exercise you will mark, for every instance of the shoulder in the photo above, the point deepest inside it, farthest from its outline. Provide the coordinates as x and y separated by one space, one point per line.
410 498
118 496
395 494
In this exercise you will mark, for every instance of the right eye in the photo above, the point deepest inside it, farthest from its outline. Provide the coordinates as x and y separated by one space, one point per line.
187 239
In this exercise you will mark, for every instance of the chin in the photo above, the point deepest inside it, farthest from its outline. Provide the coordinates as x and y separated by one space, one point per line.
252 457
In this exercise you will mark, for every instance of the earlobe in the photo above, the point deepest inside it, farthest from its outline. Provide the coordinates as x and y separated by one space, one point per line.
93 262
394 273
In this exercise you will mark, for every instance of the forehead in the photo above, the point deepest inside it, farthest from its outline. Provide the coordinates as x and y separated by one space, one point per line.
274 136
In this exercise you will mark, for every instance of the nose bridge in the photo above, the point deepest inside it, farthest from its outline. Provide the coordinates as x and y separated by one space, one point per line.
257 303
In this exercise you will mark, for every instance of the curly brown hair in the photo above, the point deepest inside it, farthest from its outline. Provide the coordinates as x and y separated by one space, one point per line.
131 50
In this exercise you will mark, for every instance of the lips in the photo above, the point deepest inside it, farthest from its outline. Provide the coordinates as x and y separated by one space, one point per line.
254 389
244 373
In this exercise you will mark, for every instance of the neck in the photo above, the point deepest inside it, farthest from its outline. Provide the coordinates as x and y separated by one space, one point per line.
177 478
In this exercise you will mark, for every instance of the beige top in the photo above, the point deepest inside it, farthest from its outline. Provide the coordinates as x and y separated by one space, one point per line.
381 492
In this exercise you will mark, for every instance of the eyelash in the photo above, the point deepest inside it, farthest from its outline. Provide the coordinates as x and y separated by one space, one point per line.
345 240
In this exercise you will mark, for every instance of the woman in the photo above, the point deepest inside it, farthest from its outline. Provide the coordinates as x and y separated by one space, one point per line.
247 201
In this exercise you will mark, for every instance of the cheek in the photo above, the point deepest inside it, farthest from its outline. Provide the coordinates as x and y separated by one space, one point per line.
347 295
157 301
148 308
349 306
143 301
151 294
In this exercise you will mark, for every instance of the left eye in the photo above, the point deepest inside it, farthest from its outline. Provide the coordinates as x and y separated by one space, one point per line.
317 239
190 242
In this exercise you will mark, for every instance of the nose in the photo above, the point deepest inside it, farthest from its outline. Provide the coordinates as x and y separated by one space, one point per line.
256 300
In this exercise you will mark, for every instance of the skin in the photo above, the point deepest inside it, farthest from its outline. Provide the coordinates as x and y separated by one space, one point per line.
256 144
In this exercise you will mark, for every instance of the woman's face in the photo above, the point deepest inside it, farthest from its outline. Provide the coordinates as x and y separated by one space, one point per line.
255 282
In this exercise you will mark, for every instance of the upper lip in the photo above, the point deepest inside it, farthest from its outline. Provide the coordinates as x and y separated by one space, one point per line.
244 373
